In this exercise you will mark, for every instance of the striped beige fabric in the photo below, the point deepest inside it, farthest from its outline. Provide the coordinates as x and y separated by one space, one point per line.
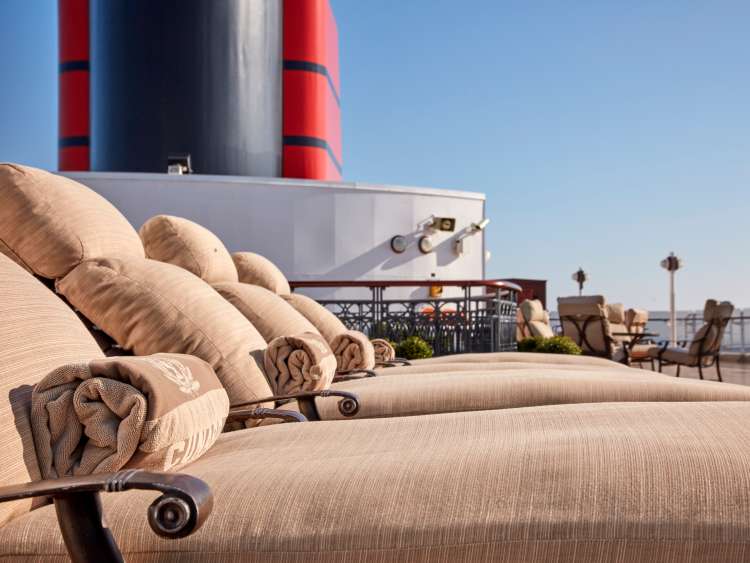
410 393
269 313
328 324
53 223
500 357
601 483
258 270
383 349
491 367
187 244
353 350
152 412
150 307
38 333
299 363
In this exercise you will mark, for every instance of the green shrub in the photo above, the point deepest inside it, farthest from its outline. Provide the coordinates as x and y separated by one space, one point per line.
560 345
413 348
530 344
553 345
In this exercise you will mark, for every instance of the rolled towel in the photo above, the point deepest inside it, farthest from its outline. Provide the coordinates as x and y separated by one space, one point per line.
299 363
353 350
151 412
384 351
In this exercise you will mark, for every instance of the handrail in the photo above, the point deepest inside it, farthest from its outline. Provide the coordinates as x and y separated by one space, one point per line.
500 284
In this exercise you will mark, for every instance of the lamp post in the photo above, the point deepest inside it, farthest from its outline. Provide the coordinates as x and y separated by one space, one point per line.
580 277
671 264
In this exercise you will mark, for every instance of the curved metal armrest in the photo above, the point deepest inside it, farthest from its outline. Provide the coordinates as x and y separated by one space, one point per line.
259 413
348 405
353 374
183 506
393 363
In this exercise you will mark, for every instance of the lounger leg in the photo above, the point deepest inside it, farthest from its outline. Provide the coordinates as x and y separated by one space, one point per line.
700 370
678 371
718 369
653 366
660 365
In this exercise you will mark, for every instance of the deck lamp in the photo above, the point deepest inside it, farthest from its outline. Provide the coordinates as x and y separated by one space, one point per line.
580 277
671 264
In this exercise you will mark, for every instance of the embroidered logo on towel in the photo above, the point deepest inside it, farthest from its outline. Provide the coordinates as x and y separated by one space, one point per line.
178 373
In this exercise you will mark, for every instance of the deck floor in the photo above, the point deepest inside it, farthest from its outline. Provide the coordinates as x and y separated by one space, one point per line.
731 372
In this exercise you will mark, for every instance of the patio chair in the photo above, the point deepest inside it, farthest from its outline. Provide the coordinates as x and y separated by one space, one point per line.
703 351
585 320
380 489
534 320
625 328
636 320
147 307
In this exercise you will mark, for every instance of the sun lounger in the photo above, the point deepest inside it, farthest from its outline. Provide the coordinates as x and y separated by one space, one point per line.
561 483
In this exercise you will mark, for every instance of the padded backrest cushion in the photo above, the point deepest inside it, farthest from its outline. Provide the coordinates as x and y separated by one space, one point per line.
636 319
38 333
188 245
328 324
149 307
257 270
532 310
268 312
52 223
537 322
616 313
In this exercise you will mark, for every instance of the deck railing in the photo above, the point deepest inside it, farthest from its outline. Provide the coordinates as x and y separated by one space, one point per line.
482 320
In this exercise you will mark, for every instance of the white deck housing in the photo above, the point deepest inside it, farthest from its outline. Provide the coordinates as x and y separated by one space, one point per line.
314 230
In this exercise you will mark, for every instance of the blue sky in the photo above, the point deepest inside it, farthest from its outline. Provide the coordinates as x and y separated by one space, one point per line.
605 134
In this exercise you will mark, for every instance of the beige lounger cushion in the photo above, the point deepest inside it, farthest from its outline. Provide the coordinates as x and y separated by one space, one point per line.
186 244
662 483
147 412
38 333
410 393
269 313
528 357
258 270
53 223
150 307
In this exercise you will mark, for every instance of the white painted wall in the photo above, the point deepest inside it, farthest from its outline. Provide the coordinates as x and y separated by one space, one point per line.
312 230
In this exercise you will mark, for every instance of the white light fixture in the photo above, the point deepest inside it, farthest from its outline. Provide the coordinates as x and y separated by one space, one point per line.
425 245
399 244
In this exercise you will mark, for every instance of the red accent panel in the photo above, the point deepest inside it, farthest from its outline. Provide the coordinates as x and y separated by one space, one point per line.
310 105
74 85
73 158
309 163
74 100
312 111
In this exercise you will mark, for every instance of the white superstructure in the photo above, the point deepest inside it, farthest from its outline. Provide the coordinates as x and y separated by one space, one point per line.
315 230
